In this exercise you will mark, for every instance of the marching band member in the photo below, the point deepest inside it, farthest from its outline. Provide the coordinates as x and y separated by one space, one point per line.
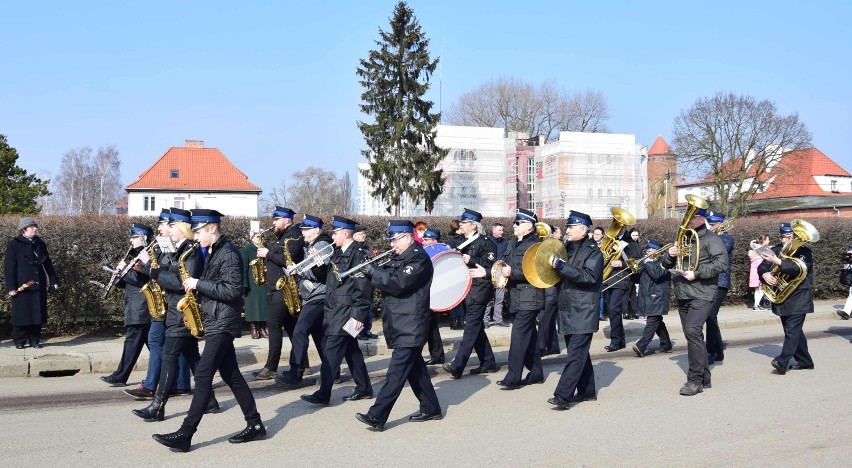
219 293
480 252
616 297
793 310
405 282
312 290
715 349
433 337
695 292
579 293
345 299
526 301
654 295
279 320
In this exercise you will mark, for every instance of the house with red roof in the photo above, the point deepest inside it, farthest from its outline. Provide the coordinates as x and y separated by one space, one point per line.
802 182
192 176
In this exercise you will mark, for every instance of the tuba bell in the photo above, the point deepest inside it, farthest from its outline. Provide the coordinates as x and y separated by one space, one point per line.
610 246
803 232
687 238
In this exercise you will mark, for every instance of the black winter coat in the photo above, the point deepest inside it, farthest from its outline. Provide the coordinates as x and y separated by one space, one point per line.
220 289
349 298
135 306
725 276
522 295
801 301
654 289
27 260
631 250
712 261
276 259
405 282
580 291
168 275
483 252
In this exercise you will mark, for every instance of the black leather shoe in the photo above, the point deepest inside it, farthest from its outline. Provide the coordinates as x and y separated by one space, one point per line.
435 361
528 381
140 393
153 412
580 398
611 348
509 385
370 420
113 381
265 374
355 396
36 345
483 370
313 399
449 368
666 349
176 440
250 433
690 389
420 417
288 379
20 346
559 403
707 384
781 370
801 367
212 405
638 351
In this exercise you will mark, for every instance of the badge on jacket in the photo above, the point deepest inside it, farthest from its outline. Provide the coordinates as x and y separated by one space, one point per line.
407 270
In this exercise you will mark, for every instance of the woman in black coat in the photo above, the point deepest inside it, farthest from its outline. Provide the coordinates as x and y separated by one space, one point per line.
29 273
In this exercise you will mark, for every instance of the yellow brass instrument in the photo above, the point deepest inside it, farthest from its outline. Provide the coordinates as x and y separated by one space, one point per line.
610 246
380 258
803 232
724 226
188 305
543 229
258 265
155 297
287 284
687 239
536 263
633 266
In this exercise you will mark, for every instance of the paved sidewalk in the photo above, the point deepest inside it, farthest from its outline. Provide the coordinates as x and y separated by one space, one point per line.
101 355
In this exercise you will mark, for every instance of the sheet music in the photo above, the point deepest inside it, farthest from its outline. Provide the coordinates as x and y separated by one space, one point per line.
349 327
166 245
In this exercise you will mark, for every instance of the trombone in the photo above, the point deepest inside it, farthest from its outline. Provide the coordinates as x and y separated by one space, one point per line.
633 266
343 274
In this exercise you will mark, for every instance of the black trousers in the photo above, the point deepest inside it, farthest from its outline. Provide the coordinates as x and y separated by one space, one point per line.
336 349
309 324
615 301
795 343
714 335
433 338
27 333
474 339
135 338
406 365
654 324
523 348
693 316
219 355
278 322
548 337
578 376
173 348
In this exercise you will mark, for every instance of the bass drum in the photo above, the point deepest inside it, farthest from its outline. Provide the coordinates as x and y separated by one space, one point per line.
450 282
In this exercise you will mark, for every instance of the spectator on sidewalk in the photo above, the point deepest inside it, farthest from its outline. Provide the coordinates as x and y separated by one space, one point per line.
257 300
753 278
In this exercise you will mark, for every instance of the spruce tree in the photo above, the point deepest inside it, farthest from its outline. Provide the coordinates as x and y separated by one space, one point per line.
403 157
18 190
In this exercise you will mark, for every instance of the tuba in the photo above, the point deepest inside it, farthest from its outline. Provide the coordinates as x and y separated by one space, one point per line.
258 265
287 284
803 232
610 246
188 304
686 237
155 297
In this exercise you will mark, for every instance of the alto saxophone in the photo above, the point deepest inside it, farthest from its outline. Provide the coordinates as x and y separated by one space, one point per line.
258 265
287 284
188 305
155 297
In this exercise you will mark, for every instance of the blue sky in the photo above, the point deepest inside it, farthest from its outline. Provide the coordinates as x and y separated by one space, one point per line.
273 85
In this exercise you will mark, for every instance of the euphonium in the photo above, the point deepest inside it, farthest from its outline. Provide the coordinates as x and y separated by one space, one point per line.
610 246
803 232
188 305
258 265
155 297
287 285
687 239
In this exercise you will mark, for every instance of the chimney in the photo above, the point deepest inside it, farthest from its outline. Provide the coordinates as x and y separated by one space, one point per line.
194 143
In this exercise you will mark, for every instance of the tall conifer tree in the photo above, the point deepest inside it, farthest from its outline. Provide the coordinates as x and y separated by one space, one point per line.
402 154
18 190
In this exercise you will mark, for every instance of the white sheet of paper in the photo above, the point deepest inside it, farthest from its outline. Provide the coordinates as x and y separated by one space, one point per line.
254 226
349 327
166 244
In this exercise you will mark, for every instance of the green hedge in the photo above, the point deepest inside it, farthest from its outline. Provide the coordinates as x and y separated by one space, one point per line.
79 245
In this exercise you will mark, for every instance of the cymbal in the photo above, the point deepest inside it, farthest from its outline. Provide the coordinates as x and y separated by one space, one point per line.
536 264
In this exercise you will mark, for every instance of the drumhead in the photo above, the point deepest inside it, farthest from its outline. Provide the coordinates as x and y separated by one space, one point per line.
450 282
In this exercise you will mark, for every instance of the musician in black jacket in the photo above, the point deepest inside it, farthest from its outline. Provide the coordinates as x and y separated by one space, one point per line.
312 290
219 294
280 319
404 282
137 320
616 296
800 302
548 335
345 299
653 300
526 301
482 252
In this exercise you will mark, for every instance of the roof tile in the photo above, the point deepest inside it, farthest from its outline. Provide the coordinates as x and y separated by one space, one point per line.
204 169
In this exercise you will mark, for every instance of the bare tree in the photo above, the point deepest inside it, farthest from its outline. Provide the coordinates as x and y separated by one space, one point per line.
736 142
88 183
519 106
276 197
314 191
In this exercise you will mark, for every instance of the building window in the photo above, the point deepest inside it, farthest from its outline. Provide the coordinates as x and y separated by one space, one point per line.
178 203
150 204
531 181
175 174
600 193
834 186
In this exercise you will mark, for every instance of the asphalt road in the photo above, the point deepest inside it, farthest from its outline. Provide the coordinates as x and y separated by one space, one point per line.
750 417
